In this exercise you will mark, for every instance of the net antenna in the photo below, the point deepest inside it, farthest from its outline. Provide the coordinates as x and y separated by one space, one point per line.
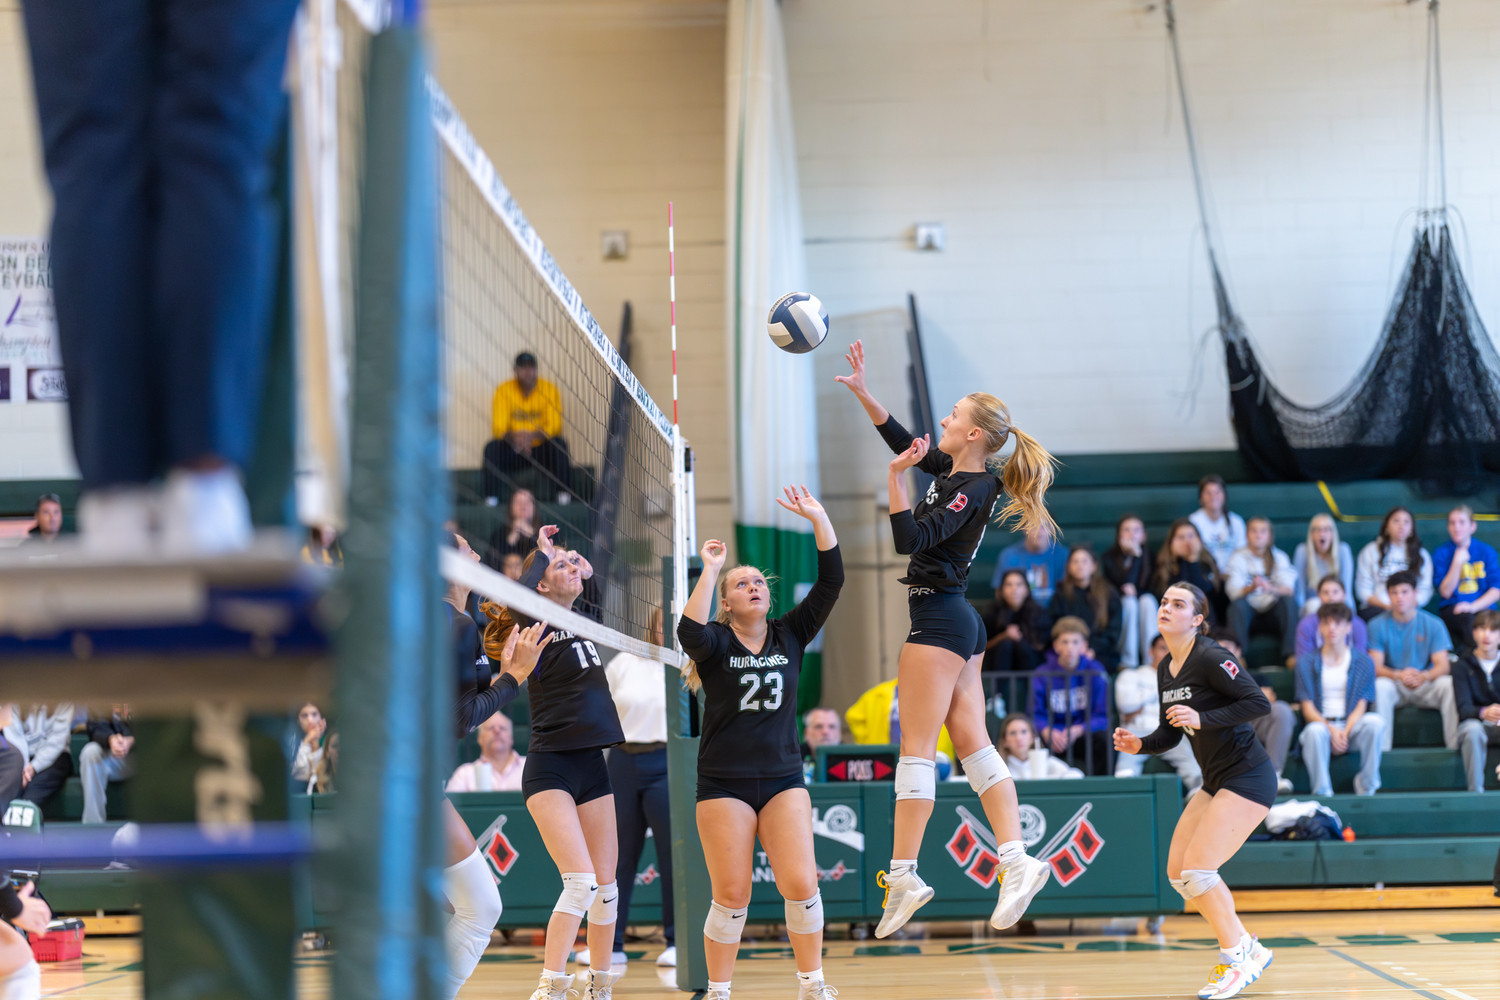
683 542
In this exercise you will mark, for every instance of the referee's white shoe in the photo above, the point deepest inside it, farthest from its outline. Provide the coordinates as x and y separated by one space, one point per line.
904 895
1019 883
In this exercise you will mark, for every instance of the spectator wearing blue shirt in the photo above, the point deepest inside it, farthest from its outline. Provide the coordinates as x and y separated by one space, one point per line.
1410 649
1468 575
1331 590
1040 557
1071 695
1336 686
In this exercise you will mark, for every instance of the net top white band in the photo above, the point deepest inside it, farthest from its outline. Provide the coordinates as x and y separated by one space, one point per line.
505 591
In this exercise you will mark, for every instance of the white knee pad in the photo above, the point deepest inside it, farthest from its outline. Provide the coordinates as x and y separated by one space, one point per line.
985 770
805 916
579 890
606 904
23 984
1195 882
476 909
916 778
725 925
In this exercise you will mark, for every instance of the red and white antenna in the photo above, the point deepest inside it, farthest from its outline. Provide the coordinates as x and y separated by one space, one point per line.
672 282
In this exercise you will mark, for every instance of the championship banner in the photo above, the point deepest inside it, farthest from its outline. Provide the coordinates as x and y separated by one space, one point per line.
774 421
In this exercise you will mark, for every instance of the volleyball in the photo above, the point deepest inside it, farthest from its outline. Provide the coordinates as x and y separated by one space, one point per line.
797 323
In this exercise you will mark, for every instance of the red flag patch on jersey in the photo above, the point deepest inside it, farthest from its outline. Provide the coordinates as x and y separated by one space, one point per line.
1231 669
958 503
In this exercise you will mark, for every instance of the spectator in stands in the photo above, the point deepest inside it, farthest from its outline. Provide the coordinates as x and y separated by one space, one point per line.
1274 729
517 536
527 424
40 735
322 547
1025 756
511 565
1138 699
499 767
822 727
1019 630
310 747
1084 593
1040 557
1330 591
12 759
1127 566
1183 559
106 758
1467 572
1320 556
876 718
49 520
1412 650
1336 688
1260 584
1476 692
1071 693
1397 548
1222 531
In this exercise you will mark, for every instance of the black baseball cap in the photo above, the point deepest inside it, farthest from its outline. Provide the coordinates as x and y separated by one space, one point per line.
49 496
525 360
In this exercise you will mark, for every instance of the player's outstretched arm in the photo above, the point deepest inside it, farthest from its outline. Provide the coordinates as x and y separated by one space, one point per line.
855 380
804 504
700 605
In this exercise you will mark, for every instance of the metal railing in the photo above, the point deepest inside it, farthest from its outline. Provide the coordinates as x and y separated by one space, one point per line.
1009 691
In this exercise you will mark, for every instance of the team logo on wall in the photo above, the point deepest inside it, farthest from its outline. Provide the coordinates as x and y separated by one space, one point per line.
1033 825
648 876
835 873
974 848
840 823
498 849
1073 848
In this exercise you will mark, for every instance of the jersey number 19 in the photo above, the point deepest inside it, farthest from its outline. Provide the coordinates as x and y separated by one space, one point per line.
583 664
748 701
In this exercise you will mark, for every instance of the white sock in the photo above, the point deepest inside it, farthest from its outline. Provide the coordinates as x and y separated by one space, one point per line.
1238 953
476 909
552 975
597 973
815 976
1011 851
901 867
23 984
719 986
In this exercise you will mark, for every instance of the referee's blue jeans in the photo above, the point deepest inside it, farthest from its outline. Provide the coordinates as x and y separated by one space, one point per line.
158 121
639 782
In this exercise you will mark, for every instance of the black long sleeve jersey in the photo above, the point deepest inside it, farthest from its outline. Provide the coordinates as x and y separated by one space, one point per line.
1215 685
750 718
478 698
943 530
571 707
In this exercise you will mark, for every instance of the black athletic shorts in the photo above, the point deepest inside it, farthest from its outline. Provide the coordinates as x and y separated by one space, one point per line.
947 621
580 773
754 792
1257 784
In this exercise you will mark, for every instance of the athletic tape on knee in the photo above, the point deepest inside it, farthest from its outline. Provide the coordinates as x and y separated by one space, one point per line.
723 924
805 916
916 778
606 904
579 890
1195 882
985 770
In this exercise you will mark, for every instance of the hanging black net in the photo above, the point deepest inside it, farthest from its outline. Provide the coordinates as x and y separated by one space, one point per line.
1426 404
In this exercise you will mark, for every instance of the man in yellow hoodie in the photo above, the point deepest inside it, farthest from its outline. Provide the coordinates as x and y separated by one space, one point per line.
527 421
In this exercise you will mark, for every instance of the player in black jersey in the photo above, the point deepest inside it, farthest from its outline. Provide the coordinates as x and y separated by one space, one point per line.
938 677
1207 695
466 881
565 780
749 760
20 976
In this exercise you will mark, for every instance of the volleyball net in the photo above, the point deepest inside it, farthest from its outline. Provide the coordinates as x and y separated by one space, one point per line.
586 448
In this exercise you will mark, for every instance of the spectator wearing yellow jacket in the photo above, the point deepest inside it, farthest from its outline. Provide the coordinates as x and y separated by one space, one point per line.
871 719
526 421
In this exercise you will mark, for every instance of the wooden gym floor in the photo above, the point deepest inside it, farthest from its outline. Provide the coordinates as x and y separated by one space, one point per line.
1391 955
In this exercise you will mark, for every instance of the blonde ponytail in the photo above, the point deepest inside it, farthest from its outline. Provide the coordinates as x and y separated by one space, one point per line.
1026 475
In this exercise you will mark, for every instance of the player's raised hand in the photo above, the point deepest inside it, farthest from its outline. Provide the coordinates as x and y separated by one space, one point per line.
522 650
855 380
713 554
912 455
803 504
1127 742
544 541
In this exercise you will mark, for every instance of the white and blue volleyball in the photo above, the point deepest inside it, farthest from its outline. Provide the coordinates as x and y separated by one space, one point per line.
798 322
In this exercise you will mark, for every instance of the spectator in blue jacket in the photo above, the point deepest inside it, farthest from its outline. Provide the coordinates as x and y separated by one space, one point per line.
1336 686
1467 572
1071 698
1040 557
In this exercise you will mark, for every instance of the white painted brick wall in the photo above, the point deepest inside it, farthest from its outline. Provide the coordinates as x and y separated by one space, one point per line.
1045 136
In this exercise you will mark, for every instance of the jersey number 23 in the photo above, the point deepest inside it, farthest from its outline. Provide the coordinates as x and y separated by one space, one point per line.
771 700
